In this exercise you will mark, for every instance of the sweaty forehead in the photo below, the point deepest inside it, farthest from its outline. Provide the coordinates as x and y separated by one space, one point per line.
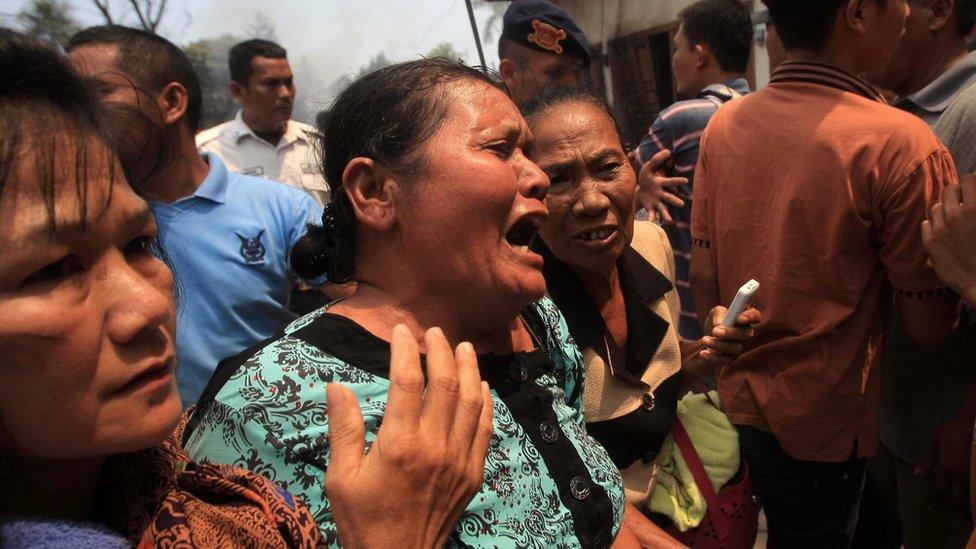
572 125
482 107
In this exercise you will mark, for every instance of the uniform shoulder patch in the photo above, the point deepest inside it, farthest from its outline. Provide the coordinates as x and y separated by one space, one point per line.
546 36
209 135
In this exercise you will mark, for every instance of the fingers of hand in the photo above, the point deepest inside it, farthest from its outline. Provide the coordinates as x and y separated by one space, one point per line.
715 318
727 346
647 177
346 429
665 214
749 317
658 160
713 358
672 199
443 387
470 398
937 216
736 333
967 185
952 195
405 400
927 234
482 439
664 181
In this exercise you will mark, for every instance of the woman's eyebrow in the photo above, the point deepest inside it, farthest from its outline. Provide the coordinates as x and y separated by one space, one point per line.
43 228
558 167
603 155
138 219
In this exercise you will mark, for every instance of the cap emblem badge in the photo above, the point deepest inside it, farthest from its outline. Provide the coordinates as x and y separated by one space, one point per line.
546 36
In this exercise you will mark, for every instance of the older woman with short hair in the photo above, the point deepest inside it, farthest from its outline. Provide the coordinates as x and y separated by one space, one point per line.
613 278
436 203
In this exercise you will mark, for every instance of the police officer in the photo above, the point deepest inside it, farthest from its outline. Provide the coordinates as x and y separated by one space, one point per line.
541 48
262 140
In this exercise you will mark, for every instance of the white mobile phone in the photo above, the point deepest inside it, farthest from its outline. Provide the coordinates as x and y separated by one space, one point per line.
741 302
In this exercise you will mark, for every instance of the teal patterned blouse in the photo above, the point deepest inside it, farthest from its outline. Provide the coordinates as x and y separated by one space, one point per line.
547 483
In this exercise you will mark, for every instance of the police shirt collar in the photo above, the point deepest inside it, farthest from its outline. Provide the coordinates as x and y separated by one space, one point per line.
214 186
937 96
241 130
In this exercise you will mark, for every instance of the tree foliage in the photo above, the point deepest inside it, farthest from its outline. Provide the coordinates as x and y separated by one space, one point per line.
261 26
49 20
145 14
446 50
377 62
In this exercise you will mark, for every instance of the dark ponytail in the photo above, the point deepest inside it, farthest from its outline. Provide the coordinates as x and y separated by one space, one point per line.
386 116
329 248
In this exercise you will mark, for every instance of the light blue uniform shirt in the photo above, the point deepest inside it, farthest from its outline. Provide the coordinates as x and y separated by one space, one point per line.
228 245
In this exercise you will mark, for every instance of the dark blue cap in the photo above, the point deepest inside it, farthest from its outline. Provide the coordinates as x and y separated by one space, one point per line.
544 26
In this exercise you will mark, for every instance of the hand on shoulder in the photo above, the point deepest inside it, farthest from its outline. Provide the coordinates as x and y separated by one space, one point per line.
949 236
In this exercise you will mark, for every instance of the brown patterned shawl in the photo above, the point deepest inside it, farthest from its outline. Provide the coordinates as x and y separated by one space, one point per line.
159 498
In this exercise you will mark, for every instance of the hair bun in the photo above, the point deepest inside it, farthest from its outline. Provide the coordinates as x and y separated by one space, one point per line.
326 249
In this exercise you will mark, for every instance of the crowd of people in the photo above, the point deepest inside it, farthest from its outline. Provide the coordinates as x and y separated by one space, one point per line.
441 316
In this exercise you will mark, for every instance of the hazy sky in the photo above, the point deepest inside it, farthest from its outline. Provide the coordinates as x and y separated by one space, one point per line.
326 39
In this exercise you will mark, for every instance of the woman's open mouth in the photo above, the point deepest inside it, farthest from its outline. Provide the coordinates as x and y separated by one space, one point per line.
597 238
520 236
522 233
598 234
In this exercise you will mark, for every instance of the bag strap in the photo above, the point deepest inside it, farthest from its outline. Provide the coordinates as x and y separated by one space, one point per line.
702 480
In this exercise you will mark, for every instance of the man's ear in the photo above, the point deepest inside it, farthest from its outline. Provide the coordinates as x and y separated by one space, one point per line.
858 14
508 70
372 191
702 55
173 103
239 91
939 14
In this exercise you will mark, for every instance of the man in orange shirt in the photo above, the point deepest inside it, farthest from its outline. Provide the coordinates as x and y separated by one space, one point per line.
816 188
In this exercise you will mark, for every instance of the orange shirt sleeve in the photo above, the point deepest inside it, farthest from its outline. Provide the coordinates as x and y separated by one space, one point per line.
699 203
899 212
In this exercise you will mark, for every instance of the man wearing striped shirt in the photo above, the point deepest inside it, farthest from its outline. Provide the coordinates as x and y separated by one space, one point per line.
711 52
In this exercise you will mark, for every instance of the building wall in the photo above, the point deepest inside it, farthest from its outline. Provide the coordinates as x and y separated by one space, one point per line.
606 19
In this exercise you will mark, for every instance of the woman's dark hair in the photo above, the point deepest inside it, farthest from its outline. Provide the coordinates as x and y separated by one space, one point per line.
43 104
565 95
386 116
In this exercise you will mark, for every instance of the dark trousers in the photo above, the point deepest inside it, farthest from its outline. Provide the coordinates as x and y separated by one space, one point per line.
807 503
